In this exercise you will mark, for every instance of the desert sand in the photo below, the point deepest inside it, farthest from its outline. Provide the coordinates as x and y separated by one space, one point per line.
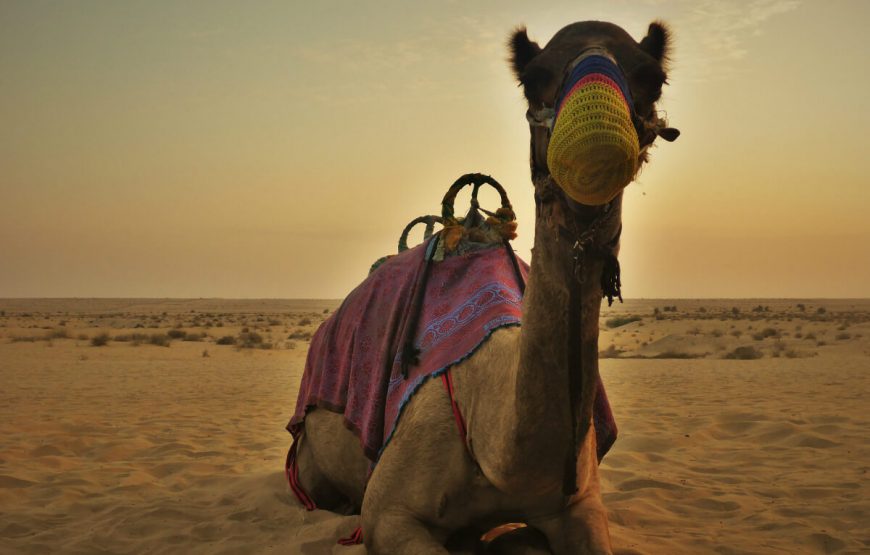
157 426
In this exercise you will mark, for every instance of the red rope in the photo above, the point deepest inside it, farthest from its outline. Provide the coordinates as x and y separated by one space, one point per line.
353 539
460 422
291 471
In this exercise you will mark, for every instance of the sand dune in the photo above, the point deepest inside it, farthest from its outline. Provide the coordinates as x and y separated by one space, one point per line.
155 449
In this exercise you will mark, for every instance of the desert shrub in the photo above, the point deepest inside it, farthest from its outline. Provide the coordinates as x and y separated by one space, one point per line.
300 335
250 340
798 335
274 322
326 311
159 339
765 333
618 321
735 311
736 333
695 331
194 336
810 336
843 336
226 340
716 333
100 340
610 352
821 310
679 355
136 338
747 352
821 343
25 338
205 353
176 334
290 345
304 321
57 333
83 337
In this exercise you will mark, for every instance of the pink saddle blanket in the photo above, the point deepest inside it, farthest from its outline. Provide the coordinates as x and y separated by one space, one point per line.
354 364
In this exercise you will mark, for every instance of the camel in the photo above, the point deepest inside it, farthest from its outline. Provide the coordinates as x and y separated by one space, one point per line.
527 393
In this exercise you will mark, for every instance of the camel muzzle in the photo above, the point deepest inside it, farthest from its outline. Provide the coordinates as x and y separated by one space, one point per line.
593 147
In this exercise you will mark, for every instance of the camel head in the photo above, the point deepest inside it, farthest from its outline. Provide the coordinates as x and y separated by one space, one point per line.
592 93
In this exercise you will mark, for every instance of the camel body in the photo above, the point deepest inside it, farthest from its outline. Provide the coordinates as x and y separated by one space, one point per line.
525 425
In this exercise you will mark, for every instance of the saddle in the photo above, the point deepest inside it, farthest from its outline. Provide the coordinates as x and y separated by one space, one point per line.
417 314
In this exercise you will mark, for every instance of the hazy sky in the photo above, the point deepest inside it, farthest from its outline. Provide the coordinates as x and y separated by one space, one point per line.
276 149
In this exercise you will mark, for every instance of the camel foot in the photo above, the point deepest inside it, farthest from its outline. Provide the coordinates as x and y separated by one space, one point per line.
401 534
580 530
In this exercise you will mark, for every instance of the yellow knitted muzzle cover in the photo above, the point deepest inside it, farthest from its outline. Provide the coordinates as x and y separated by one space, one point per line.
594 147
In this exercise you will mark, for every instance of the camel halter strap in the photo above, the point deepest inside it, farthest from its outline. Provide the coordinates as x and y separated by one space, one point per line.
586 244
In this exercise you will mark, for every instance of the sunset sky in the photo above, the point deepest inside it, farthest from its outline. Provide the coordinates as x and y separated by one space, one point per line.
276 149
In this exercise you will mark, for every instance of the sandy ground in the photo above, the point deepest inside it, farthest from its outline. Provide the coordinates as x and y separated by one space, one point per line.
154 444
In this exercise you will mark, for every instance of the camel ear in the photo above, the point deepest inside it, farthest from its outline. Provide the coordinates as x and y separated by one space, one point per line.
522 50
657 42
533 79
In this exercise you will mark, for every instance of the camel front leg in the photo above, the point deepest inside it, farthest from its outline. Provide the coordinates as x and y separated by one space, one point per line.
402 534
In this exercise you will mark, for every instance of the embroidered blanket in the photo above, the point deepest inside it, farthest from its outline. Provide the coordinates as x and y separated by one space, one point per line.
354 362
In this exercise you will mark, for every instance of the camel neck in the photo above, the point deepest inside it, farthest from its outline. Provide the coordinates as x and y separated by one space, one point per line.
558 356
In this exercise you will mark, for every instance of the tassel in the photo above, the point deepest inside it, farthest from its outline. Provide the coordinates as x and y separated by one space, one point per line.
611 282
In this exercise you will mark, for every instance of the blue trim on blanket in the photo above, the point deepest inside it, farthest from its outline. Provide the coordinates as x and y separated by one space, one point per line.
423 379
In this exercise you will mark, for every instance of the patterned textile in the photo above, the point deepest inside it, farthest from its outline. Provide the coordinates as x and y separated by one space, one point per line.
354 362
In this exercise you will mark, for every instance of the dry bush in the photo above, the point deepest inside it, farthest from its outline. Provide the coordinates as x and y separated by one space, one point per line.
300 335
226 340
100 340
610 352
176 334
251 340
843 336
765 333
194 336
618 321
58 333
747 352
159 339
679 355
25 338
